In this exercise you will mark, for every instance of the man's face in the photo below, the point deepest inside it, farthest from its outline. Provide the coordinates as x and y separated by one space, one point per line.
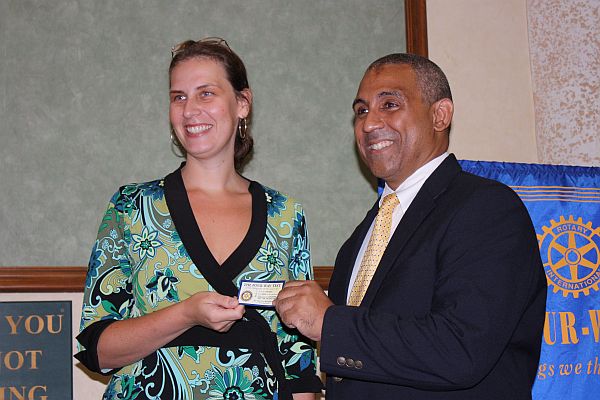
393 126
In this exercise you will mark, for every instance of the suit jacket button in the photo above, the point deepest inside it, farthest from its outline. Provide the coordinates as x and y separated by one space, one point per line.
341 361
337 379
349 363
358 364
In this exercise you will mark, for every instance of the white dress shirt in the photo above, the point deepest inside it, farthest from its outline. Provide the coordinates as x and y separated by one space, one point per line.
406 193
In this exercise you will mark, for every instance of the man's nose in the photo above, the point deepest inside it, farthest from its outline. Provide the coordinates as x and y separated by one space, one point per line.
373 121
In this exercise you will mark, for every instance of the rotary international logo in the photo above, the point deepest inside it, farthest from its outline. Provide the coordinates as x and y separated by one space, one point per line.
570 252
246 296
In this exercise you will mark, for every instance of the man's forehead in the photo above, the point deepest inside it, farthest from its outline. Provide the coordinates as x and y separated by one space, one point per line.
388 77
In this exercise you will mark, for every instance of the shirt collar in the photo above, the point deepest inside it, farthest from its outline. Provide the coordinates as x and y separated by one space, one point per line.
408 190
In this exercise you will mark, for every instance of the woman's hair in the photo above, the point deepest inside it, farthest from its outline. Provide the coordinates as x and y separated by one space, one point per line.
218 50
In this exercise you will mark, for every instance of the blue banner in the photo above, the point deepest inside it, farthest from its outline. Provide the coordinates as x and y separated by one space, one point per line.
564 204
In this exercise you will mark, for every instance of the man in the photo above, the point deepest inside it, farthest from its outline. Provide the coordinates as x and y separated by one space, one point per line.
439 293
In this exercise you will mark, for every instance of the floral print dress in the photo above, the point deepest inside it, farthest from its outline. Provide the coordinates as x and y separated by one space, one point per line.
147 257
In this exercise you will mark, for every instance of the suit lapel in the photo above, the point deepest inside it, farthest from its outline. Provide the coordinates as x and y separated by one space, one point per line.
420 207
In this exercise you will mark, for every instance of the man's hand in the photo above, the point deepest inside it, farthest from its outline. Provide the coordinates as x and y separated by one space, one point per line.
302 305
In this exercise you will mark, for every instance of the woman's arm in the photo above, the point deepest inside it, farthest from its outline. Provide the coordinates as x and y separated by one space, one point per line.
130 340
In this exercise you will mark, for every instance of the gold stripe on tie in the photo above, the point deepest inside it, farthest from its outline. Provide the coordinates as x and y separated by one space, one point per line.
377 244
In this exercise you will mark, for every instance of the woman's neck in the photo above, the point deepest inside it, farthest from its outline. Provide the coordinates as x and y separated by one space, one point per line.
212 177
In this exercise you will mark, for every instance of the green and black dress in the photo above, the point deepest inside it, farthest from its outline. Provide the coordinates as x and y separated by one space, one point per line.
150 254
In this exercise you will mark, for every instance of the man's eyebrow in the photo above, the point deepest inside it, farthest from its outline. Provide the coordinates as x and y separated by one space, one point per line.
395 93
358 100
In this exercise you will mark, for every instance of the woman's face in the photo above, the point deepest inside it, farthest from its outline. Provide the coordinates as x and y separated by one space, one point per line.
204 109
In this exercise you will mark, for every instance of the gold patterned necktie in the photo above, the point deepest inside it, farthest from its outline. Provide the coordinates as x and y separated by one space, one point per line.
377 244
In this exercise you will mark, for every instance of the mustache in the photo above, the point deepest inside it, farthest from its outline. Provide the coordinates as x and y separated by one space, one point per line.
378 136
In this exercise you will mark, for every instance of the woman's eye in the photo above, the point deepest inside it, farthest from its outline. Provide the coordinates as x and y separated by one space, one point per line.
206 93
178 98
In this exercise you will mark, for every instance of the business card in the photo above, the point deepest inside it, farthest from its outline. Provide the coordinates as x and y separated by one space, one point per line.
259 293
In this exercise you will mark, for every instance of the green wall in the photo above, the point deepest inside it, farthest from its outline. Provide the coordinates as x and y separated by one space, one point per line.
84 108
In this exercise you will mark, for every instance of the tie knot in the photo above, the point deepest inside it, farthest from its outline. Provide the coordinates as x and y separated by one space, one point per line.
389 203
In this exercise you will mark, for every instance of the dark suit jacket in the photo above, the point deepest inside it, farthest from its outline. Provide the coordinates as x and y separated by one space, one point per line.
456 307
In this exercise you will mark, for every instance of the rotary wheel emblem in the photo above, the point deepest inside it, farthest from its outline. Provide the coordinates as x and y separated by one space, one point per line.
570 252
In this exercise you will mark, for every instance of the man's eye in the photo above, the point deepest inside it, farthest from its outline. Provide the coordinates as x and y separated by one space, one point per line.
389 104
361 111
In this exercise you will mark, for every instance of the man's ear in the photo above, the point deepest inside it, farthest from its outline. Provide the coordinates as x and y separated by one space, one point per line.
442 114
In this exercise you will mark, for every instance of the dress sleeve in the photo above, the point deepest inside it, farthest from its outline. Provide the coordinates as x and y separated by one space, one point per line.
299 353
107 295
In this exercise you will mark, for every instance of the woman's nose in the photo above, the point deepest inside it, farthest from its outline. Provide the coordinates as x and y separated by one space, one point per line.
191 108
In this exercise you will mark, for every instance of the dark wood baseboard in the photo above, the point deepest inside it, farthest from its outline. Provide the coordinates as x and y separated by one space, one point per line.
42 279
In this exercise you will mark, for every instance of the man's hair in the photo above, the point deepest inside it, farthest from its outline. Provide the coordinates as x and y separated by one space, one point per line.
431 79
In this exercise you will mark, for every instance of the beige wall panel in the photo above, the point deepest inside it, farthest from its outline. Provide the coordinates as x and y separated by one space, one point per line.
482 46
566 79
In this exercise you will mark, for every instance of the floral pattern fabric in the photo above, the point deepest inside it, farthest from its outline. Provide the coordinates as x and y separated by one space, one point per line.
139 265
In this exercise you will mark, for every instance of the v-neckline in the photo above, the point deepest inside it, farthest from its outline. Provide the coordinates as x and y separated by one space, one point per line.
185 223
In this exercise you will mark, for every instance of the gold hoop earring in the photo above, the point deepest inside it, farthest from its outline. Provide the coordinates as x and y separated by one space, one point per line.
176 147
242 128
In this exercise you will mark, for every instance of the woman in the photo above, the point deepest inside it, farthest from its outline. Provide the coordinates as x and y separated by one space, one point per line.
160 311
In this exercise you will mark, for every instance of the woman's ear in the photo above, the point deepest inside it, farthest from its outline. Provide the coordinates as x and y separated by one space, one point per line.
442 114
244 100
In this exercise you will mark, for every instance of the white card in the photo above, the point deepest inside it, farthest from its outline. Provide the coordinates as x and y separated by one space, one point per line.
259 293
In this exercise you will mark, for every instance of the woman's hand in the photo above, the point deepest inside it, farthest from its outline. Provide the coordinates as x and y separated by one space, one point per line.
130 340
213 310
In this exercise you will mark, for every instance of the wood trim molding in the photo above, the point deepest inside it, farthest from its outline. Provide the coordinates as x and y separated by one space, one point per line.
72 279
42 279
415 13
323 275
